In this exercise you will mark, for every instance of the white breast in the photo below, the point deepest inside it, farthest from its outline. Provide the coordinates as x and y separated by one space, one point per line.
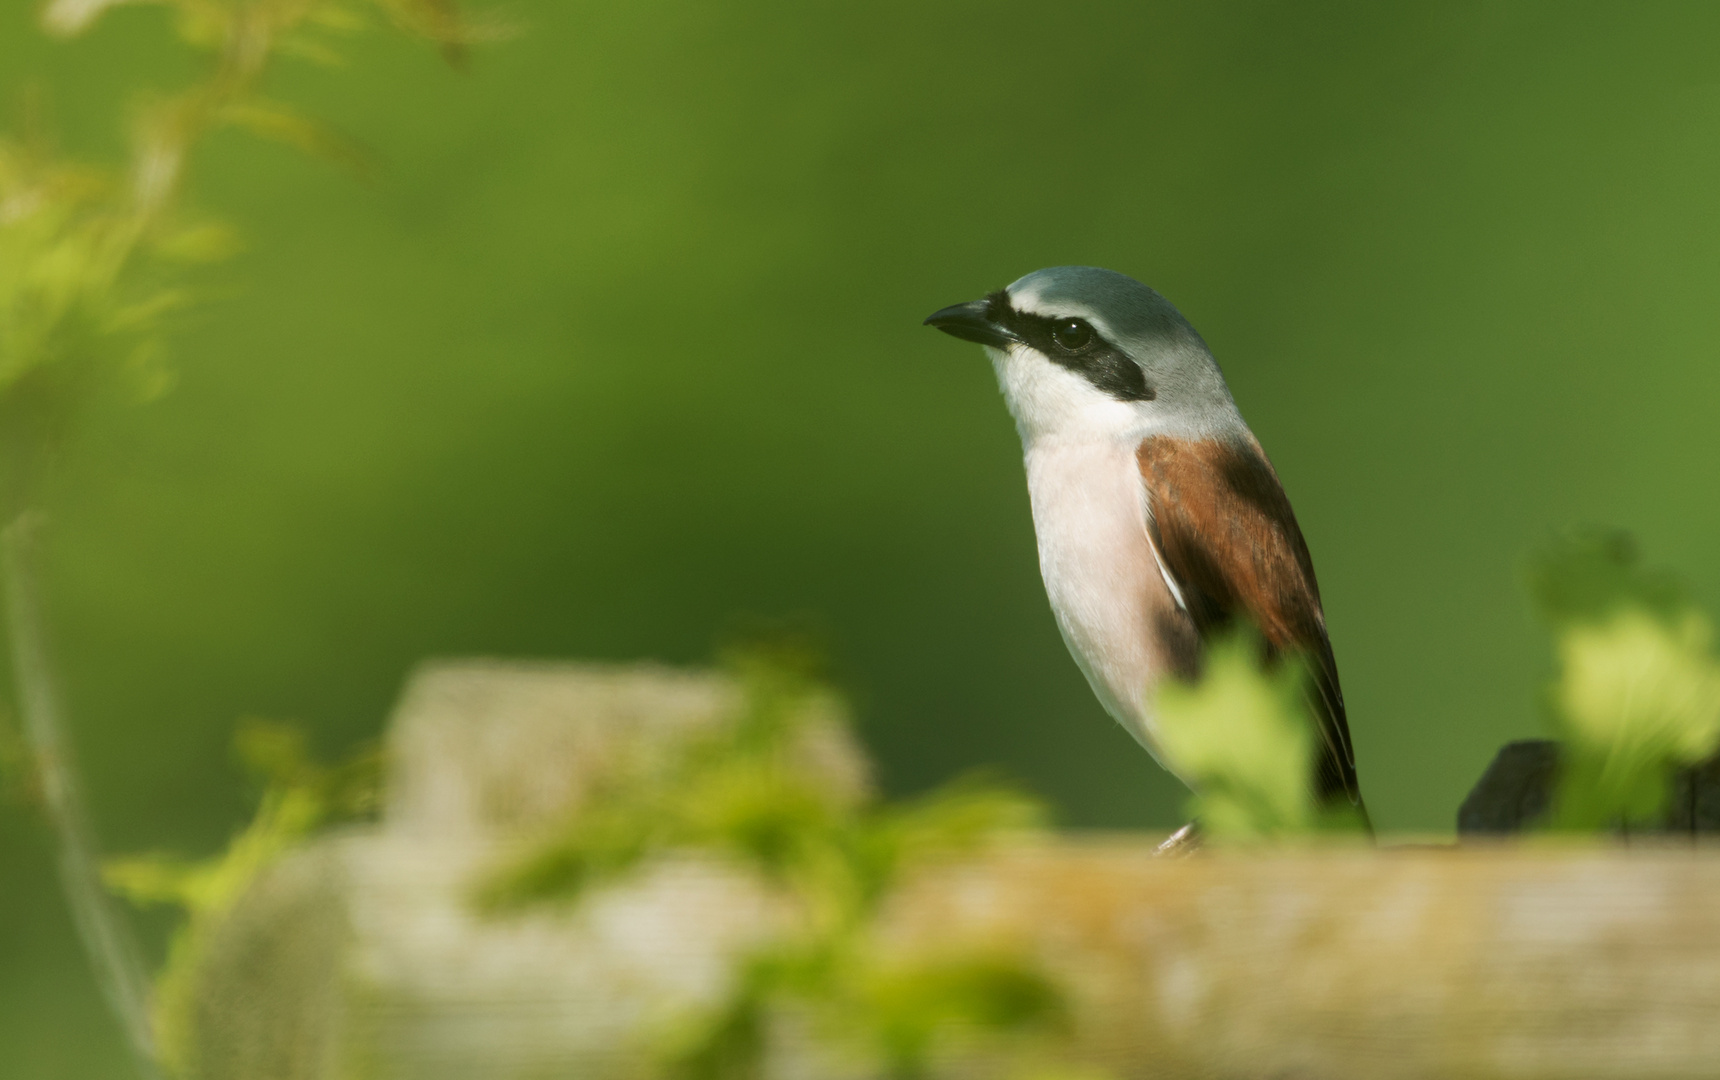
1103 582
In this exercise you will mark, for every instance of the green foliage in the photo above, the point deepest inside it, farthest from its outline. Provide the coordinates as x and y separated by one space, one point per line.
301 28
93 263
733 788
1636 697
1242 736
740 792
895 1014
299 796
741 789
1637 694
910 1006
61 248
85 285
94 260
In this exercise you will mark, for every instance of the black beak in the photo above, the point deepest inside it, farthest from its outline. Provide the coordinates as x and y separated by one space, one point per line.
969 322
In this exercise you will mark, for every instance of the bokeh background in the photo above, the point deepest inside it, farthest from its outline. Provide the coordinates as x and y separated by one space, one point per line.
624 346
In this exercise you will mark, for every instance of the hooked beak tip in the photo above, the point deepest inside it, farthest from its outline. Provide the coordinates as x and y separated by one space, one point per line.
971 322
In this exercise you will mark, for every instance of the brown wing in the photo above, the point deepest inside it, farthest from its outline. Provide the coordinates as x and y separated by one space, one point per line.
1229 540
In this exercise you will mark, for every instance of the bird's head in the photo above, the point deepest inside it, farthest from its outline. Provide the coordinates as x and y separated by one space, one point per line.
1085 353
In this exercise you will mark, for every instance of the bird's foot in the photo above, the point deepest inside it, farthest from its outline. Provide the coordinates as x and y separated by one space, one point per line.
1185 841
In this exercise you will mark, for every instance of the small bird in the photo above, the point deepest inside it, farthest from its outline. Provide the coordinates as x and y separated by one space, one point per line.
1160 521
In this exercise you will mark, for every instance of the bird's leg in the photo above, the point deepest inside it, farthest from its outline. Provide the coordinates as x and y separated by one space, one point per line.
1185 841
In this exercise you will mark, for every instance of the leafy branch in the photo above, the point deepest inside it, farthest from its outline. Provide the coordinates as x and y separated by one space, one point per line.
1243 736
93 262
1637 694
299 796
740 792
94 259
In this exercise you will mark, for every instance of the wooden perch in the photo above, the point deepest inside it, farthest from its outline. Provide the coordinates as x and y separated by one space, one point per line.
364 955
1416 963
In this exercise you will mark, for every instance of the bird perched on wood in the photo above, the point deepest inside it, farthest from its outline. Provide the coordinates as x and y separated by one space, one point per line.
1160 521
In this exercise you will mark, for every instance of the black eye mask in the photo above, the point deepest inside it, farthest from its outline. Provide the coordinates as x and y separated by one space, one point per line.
1073 343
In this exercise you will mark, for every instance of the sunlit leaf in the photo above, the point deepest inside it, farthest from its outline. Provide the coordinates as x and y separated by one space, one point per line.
1635 681
1637 694
280 123
149 879
1242 737
69 17
740 792
87 256
909 1006
301 795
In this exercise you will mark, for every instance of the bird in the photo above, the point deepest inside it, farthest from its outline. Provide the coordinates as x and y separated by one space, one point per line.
1160 522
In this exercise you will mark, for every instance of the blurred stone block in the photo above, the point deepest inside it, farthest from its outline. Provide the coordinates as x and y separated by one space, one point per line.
362 955
483 749
1483 963
270 997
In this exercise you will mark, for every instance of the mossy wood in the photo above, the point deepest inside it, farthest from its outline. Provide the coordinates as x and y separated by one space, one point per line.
365 955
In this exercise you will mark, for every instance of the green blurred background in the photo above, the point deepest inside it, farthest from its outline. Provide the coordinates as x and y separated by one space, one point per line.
625 345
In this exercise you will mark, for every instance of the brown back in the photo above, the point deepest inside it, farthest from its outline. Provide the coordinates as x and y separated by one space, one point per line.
1225 530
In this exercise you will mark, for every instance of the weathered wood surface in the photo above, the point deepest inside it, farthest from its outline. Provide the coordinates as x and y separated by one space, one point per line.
363 955
1473 963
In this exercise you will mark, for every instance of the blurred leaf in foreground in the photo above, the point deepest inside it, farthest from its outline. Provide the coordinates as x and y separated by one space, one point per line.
94 259
93 262
1637 694
741 792
1242 736
913 1004
299 796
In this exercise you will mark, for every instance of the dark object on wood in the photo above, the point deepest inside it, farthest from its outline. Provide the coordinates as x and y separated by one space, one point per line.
1513 792
1695 803
1517 788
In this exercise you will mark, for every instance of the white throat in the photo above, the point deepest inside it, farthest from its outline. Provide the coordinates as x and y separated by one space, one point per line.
1050 401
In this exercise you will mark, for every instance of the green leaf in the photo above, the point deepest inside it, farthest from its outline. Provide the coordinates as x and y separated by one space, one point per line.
283 124
301 796
1242 737
68 18
1636 697
1637 694
910 1006
151 879
599 845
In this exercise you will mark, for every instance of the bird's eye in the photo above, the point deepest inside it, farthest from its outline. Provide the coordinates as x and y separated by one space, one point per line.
1072 334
